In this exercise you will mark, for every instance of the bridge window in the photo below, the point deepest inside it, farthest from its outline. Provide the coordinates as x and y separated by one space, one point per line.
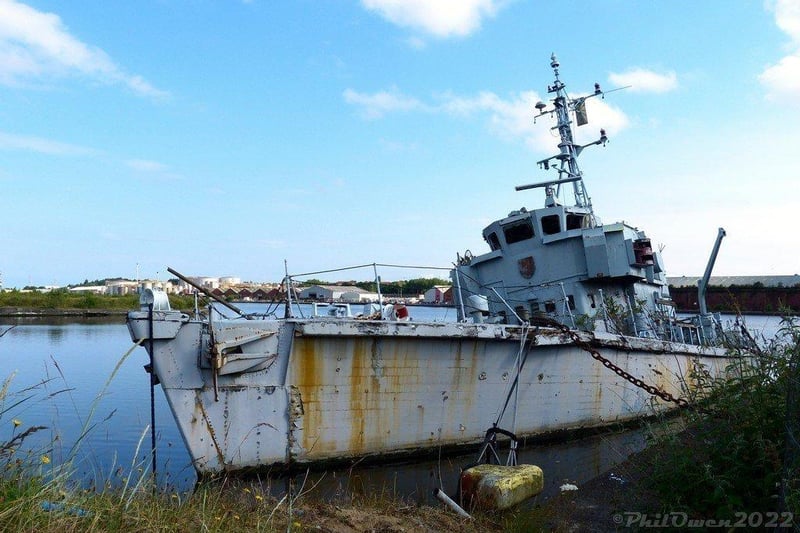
643 252
518 231
494 242
575 221
551 224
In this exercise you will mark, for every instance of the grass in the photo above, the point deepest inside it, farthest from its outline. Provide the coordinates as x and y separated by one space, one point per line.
225 508
227 505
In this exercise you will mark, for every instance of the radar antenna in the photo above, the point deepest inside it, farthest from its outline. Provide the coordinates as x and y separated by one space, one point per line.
566 161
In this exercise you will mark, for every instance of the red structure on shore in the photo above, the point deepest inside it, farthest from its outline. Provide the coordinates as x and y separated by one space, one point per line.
747 300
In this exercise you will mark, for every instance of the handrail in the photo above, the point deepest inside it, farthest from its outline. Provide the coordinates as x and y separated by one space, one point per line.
367 265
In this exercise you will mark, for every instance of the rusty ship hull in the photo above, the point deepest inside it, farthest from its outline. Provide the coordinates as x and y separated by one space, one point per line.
303 391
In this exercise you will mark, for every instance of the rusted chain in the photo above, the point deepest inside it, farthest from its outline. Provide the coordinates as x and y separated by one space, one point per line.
650 389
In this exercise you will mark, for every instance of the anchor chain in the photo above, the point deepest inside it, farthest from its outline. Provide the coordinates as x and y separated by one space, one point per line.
650 389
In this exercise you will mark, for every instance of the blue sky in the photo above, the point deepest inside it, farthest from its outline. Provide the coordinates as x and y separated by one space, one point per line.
224 137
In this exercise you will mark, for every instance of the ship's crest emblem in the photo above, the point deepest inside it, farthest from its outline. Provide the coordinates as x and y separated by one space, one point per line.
527 267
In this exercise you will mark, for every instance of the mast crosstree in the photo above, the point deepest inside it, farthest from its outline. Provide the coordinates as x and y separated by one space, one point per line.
566 161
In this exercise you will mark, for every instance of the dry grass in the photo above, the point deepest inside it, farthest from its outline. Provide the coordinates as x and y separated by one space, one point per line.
215 507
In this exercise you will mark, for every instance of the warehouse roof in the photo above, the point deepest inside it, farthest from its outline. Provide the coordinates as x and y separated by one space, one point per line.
727 281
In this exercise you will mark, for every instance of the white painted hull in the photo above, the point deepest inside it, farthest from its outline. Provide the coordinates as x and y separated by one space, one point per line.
315 390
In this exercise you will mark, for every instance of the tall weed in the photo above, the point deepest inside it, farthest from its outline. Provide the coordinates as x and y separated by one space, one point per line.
739 451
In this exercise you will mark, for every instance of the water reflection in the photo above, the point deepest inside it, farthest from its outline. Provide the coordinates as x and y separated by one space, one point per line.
576 461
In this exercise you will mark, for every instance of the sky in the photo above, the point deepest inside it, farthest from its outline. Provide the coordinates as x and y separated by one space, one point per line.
246 138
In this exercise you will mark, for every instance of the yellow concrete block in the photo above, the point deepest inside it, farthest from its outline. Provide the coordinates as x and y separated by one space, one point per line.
500 487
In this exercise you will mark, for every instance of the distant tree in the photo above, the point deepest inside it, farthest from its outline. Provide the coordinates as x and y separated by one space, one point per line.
56 298
420 285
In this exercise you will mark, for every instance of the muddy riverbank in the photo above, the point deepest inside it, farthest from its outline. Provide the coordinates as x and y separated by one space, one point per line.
38 312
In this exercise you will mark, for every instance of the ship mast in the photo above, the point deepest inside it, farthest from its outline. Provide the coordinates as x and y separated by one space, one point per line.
567 158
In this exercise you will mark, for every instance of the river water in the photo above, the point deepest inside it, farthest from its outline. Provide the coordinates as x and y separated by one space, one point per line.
75 377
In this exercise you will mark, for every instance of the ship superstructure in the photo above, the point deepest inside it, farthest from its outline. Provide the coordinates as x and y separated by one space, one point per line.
560 261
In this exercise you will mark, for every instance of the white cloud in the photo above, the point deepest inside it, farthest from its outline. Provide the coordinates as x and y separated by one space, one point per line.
378 104
34 44
440 18
782 80
30 143
787 17
510 118
153 170
513 118
643 80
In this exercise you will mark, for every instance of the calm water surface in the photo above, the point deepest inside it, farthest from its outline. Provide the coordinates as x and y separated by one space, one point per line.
72 361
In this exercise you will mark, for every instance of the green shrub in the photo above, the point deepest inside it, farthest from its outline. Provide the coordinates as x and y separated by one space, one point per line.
734 456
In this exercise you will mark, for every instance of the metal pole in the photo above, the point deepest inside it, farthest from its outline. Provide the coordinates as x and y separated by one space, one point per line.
603 307
566 304
152 393
460 295
633 317
445 499
288 312
522 322
377 283
702 285
209 294
523 339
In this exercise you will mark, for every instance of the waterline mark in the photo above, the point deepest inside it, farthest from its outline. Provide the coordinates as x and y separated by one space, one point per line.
680 520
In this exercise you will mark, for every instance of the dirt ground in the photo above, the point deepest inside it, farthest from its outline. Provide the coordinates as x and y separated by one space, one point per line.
605 503
392 519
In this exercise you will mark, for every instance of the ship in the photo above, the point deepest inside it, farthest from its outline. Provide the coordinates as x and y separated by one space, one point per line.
564 324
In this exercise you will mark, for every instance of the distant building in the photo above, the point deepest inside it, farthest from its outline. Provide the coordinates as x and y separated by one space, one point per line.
91 289
359 296
436 294
121 287
165 286
329 292
266 294
727 281
204 281
743 294
231 294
